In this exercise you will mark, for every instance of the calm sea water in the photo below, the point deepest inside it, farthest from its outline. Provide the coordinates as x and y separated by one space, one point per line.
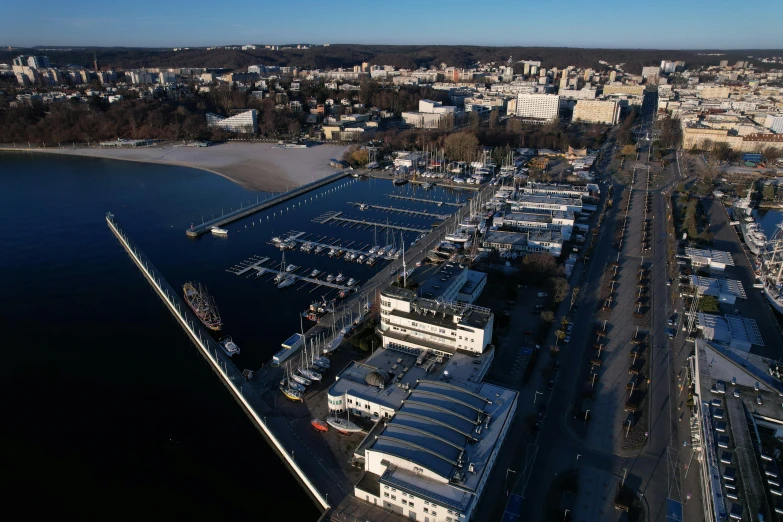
769 220
109 410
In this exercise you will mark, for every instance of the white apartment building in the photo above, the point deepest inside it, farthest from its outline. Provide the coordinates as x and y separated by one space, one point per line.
562 222
245 122
597 111
774 122
413 324
538 106
429 115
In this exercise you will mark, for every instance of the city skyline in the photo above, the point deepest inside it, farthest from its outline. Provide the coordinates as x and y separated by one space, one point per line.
611 25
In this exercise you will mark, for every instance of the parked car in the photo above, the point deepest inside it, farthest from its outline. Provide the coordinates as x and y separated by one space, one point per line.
567 339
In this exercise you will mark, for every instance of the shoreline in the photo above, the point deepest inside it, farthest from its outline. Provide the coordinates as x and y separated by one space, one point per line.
253 166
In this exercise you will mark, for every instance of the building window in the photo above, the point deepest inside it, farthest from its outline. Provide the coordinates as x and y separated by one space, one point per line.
386 495
385 487
426 510
394 497
404 502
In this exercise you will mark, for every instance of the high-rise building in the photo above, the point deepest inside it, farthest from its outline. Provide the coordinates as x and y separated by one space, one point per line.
34 62
597 111
538 106
651 74
774 122
612 76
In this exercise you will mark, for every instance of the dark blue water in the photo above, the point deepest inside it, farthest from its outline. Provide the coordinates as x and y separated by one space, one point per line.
769 220
108 409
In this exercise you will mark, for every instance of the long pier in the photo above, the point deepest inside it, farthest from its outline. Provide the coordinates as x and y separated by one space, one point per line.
225 219
400 210
212 353
299 238
337 217
425 200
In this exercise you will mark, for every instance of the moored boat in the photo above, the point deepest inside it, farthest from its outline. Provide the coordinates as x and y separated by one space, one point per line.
229 346
291 393
202 305
343 425
310 374
351 282
287 281
319 425
340 278
315 273
217 231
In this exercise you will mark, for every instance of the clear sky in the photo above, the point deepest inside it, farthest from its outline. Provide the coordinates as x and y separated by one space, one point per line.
663 24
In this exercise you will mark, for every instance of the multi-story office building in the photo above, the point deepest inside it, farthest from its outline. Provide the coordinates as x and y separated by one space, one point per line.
526 202
532 241
414 324
538 106
245 122
597 111
562 222
567 191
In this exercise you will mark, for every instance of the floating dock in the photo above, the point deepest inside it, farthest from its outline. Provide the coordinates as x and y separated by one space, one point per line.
400 210
299 237
336 217
425 200
205 227
255 263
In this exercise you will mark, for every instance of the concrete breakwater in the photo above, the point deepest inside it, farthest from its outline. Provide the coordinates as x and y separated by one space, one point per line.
203 228
212 353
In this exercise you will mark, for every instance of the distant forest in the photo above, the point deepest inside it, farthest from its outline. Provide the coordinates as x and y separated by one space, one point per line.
401 56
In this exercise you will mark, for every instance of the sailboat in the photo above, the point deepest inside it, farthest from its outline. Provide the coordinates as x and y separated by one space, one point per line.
343 426
281 273
309 374
291 393
288 280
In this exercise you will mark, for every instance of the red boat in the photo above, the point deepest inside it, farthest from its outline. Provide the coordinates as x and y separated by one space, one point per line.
319 425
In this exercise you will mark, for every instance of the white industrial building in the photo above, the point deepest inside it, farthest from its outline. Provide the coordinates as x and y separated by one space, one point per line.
774 122
430 114
538 106
726 290
716 260
245 122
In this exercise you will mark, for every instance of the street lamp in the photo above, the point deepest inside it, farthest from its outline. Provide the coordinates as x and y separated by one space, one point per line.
507 471
536 396
577 459
586 414
565 514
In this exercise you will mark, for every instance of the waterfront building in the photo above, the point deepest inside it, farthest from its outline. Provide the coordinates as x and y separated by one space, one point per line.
557 220
538 106
244 122
566 191
532 241
535 202
736 423
597 111
716 260
454 283
430 114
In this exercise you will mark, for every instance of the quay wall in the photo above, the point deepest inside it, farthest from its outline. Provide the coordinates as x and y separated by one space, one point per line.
209 349
205 227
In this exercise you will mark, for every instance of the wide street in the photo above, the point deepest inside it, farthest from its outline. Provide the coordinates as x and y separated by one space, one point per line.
599 458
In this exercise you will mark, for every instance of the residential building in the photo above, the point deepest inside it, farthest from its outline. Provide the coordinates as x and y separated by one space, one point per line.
635 90
774 122
244 122
651 74
538 106
430 114
597 111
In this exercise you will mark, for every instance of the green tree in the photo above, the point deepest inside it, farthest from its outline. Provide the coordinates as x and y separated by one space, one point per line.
709 304
460 146
548 316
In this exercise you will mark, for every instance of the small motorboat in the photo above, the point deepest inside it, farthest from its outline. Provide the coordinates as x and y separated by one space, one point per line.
330 278
217 231
351 282
315 273
291 268
340 278
229 346
319 425
319 249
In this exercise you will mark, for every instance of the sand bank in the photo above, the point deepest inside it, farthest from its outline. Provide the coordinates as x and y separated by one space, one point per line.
255 166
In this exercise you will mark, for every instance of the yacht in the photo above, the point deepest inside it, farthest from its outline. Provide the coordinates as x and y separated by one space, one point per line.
340 278
342 425
229 346
319 249
330 278
217 231
287 281
304 381
361 259
351 282
291 393
309 374
315 273
292 268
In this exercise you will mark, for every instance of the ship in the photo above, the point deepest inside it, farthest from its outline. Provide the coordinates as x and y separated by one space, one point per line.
217 231
229 346
400 180
202 305
751 232
770 269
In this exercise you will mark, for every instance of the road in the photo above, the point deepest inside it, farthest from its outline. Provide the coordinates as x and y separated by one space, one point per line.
598 457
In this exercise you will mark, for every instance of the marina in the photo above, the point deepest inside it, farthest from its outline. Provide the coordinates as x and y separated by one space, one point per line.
327 244
253 264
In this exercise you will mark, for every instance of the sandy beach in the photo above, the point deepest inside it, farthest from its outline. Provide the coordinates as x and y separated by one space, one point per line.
255 166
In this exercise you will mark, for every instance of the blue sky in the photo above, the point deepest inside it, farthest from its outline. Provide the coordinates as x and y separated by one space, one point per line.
664 24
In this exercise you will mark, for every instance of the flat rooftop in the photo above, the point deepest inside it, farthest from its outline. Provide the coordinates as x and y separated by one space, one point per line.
715 287
552 200
729 328
506 238
716 256
724 418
